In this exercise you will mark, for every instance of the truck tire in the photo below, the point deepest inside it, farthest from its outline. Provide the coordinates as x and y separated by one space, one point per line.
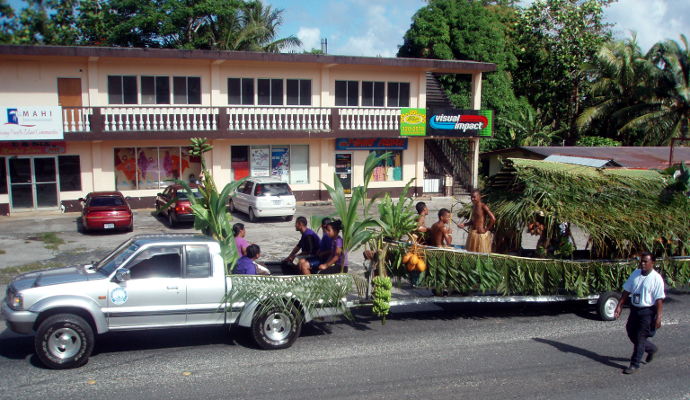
276 328
64 341
606 305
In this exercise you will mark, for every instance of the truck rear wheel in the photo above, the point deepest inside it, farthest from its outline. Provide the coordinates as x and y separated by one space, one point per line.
276 328
606 305
64 341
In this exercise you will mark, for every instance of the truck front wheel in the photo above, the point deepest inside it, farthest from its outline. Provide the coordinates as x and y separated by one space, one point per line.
276 328
606 305
64 341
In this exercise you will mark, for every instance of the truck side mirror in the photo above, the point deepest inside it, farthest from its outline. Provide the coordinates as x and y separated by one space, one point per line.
122 275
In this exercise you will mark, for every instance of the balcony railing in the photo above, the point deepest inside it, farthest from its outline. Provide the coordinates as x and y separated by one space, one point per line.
85 120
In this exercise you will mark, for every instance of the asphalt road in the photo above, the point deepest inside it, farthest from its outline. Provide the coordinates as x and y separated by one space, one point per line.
454 352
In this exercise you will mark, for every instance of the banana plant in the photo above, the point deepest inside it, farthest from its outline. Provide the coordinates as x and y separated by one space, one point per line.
210 211
357 229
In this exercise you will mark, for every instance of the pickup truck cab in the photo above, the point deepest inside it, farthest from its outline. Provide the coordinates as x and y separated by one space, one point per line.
149 281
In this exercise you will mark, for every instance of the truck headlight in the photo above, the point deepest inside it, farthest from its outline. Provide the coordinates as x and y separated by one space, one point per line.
15 301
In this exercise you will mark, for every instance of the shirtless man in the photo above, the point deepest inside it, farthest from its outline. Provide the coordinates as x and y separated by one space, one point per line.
479 238
440 233
422 231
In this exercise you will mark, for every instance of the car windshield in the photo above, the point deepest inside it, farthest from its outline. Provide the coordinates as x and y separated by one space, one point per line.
182 194
107 201
272 189
113 260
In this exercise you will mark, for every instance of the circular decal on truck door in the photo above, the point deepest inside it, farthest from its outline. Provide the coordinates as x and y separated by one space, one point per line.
118 296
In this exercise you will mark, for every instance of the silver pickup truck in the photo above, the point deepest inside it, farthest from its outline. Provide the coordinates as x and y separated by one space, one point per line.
149 281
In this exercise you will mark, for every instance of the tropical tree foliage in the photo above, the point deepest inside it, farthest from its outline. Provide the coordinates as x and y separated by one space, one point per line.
184 24
529 129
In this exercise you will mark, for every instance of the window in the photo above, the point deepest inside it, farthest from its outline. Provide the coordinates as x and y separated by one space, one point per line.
69 171
241 91
198 261
299 164
270 92
298 92
122 89
156 262
3 176
290 163
153 167
186 90
373 94
155 90
389 169
346 93
398 94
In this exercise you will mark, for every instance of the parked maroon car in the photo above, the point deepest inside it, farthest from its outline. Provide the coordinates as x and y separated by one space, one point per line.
174 204
106 211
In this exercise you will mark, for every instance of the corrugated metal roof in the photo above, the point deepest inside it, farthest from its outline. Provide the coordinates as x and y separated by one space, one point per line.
590 162
625 156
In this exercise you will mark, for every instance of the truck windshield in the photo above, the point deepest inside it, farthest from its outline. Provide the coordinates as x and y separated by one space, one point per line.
116 258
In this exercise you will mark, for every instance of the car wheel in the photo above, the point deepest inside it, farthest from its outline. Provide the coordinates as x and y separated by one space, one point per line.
82 227
171 219
276 328
231 206
606 305
64 341
288 217
252 216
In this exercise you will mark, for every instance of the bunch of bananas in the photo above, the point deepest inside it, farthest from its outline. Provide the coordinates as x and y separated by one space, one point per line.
381 296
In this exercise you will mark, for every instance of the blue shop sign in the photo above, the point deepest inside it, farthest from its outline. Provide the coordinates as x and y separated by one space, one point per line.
371 144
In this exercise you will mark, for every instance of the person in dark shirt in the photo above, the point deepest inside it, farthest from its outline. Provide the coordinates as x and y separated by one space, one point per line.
308 244
245 265
326 241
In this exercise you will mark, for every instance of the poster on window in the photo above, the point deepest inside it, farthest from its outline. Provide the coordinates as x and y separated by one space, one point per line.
280 162
125 169
261 161
147 168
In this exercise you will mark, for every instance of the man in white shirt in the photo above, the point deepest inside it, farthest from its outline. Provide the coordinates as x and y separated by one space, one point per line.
645 288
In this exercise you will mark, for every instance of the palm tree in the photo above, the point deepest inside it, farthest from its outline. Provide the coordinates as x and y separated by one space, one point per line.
529 129
254 28
621 74
671 103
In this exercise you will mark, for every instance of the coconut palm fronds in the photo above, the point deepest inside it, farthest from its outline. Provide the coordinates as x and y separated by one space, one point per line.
623 211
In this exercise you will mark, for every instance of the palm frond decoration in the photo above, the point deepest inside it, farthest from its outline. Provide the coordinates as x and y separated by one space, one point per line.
310 293
623 211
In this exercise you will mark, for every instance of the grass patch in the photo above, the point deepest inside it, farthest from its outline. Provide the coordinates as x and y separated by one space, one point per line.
6 274
51 239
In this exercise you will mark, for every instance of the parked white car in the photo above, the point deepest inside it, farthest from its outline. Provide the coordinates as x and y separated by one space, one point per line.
264 197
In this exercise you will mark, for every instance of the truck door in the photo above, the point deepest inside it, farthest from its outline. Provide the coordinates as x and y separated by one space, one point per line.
205 292
155 295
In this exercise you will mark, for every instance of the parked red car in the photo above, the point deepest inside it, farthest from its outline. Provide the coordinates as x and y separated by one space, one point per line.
106 211
174 204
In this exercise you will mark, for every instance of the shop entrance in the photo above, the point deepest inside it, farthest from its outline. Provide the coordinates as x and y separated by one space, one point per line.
343 169
239 162
33 182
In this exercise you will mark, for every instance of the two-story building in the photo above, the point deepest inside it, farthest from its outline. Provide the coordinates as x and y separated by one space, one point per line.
125 117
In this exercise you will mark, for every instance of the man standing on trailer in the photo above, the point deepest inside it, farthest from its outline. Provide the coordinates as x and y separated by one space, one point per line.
479 237
645 287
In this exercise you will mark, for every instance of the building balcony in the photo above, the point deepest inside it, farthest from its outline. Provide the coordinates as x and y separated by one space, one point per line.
141 122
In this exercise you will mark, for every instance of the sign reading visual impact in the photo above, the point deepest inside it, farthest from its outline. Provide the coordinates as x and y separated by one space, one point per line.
31 123
413 122
460 123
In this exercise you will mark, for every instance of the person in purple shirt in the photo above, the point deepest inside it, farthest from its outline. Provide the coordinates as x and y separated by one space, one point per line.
245 265
308 245
240 242
326 241
337 261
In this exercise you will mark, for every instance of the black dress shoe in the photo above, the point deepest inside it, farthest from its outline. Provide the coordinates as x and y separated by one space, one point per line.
631 370
650 357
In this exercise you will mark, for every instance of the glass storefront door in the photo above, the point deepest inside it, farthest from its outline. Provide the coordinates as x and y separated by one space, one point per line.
343 170
33 182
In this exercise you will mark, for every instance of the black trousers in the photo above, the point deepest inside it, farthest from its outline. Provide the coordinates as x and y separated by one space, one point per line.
641 326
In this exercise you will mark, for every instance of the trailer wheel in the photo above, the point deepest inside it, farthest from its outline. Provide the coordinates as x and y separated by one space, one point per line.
606 305
64 341
276 328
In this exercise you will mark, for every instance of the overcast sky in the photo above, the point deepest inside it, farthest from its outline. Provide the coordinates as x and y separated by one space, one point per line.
376 27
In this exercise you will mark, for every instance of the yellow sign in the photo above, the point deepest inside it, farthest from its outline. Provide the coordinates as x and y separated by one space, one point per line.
413 122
